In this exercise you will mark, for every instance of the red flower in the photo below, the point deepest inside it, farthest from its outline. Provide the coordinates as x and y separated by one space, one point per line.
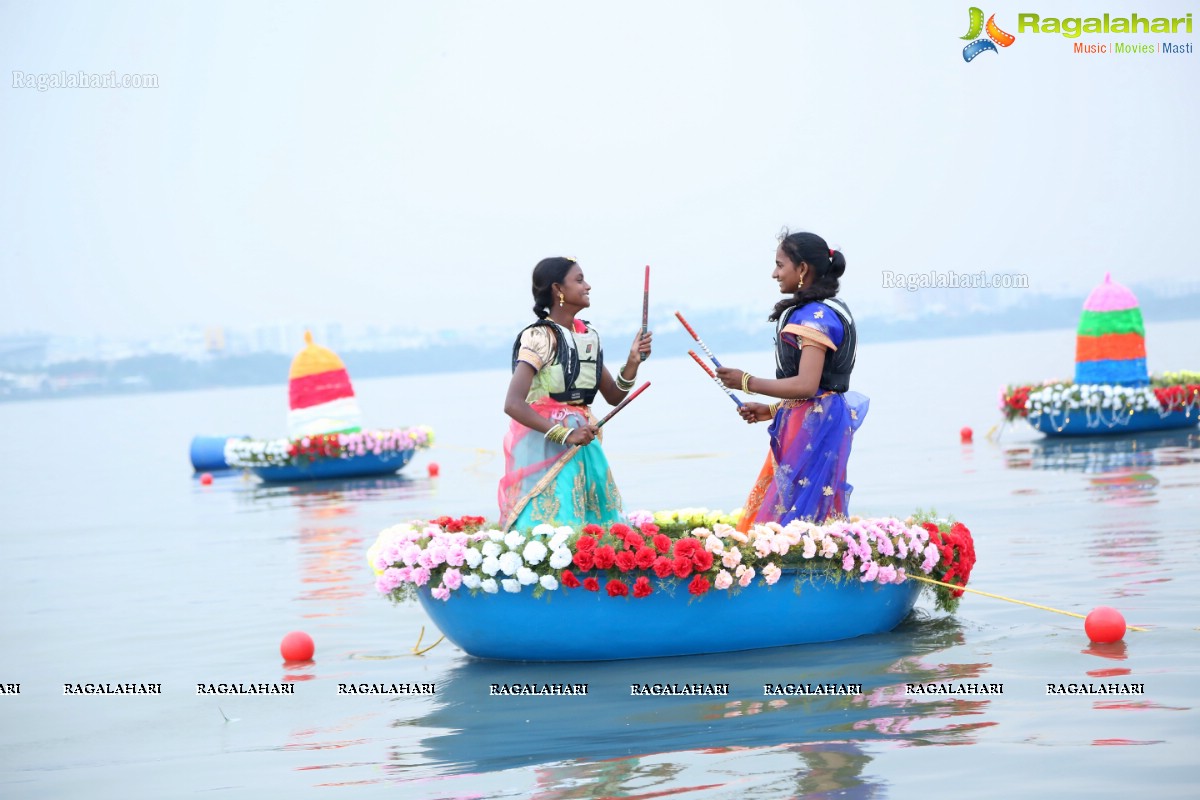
662 543
702 559
645 557
620 530
699 585
473 520
617 589
649 529
625 561
584 559
641 586
591 584
586 542
682 566
442 521
454 526
605 557
686 547
592 529
569 580
664 567
633 541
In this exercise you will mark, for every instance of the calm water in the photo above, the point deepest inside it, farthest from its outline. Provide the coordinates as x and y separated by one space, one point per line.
116 565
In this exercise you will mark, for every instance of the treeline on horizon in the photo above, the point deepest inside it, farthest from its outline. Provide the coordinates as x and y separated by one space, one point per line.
168 372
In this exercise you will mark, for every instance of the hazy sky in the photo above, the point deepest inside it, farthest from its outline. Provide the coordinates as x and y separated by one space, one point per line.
411 161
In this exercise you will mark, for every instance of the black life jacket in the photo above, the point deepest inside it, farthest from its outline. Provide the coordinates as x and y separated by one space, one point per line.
567 356
835 375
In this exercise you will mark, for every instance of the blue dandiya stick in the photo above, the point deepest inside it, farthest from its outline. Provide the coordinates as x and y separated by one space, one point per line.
699 341
713 375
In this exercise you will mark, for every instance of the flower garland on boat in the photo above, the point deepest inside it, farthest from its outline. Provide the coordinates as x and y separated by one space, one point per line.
446 555
307 449
1168 393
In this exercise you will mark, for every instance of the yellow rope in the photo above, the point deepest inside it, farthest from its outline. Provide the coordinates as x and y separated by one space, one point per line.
417 651
1009 599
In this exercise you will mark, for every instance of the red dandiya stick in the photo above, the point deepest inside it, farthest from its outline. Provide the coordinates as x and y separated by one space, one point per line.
623 403
700 341
713 375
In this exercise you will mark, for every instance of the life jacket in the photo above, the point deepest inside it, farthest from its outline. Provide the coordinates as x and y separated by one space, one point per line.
566 358
835 374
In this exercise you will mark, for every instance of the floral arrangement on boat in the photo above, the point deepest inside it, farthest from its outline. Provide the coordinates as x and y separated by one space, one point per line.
695 551
1112 390
308 449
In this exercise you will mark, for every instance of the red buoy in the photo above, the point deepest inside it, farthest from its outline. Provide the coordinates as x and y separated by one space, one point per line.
297 646
433 469
965 435
206 479
1104 625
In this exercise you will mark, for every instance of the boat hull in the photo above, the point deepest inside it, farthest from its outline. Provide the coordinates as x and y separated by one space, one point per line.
1139 422
324 469
578 625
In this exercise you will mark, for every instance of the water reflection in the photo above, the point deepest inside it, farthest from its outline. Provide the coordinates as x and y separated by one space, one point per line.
600 744
1119 466
336 492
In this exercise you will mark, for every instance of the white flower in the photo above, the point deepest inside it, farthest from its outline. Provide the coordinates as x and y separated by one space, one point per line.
472 581
489 585
510 562
474 557
559 538
491 549
549 583
491 565
513 539
495 536
534 552
511 585
526 576
560 558
544 530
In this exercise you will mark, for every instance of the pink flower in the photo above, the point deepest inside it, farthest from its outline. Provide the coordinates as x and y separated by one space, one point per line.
731 558
872 571
848 562
455 555
452 579
724 580
771 573
746 577
441 593
420 576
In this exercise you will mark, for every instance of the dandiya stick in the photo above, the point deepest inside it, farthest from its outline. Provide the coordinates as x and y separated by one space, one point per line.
713 375
1009 599
567 455
700 341
646 307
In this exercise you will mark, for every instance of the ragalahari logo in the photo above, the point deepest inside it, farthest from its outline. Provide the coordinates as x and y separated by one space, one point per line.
995 36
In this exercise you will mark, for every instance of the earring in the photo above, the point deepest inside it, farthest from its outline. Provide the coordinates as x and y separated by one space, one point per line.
800 285
560 299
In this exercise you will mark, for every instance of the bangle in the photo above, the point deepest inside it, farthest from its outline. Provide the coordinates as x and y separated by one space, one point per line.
558 434
773 408
623 383
746 376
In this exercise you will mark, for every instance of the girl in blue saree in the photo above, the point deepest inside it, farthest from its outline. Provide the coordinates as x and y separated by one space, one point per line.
558 368
813 424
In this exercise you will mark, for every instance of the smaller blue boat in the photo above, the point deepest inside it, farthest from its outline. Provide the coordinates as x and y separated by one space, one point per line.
579 625
353 467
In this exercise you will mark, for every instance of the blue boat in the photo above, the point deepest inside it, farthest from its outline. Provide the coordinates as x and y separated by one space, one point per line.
578 625
325 468
1080 423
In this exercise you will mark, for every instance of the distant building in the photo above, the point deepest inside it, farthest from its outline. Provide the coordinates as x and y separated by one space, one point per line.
23 352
